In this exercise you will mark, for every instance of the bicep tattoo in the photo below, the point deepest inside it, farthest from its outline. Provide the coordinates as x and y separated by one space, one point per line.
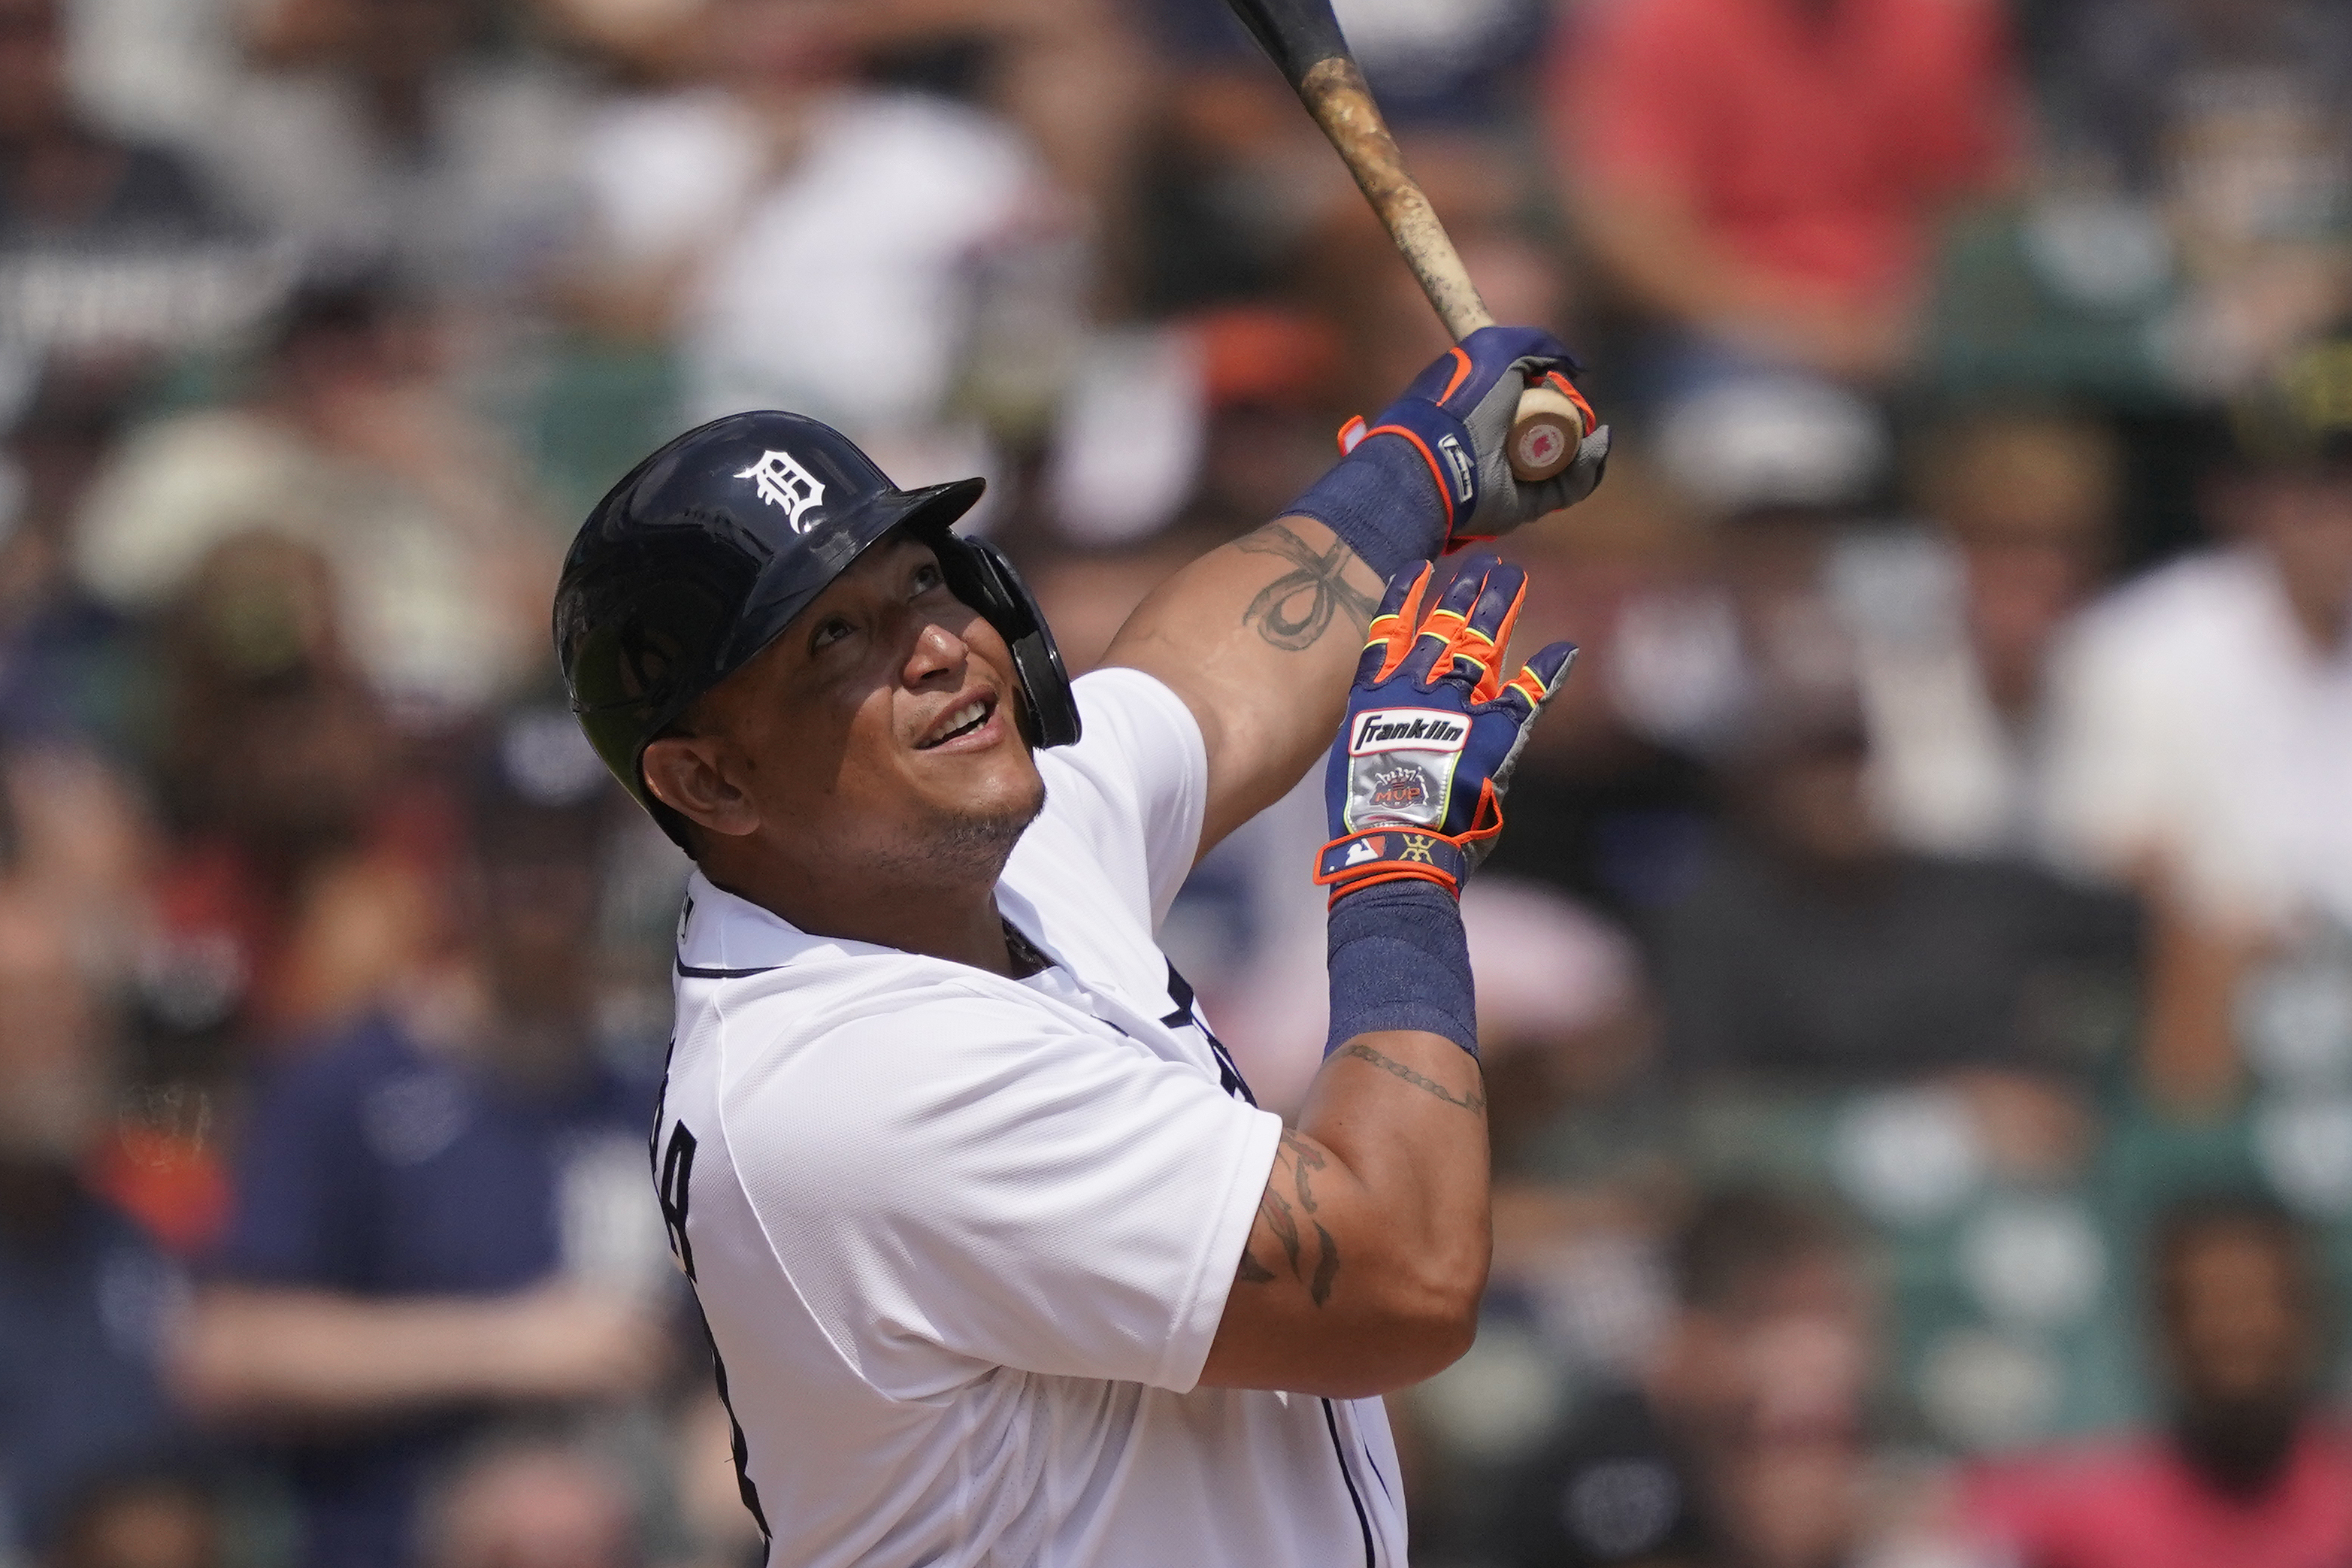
1295 1164
1294 611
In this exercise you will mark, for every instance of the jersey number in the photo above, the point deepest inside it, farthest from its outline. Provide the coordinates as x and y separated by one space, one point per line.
672 1182
669 1188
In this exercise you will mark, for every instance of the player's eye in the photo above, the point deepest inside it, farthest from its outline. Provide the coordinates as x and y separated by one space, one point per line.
830 630
927 577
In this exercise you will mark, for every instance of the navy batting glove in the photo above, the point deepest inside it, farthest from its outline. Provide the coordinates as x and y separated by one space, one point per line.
1448 436
1415 781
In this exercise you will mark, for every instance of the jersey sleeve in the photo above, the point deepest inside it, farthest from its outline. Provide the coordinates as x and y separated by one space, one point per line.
970 1182
1135 788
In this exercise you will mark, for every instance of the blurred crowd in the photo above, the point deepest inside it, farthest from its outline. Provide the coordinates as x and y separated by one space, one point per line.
1917 982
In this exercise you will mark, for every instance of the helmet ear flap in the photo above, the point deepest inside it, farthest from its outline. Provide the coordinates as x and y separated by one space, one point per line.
978 573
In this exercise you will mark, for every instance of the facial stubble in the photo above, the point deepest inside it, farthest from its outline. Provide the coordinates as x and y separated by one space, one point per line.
960 850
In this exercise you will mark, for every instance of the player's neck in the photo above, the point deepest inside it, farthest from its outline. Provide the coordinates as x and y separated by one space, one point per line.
958 923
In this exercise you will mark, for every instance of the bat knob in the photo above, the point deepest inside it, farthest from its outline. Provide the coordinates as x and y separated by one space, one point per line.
1543 435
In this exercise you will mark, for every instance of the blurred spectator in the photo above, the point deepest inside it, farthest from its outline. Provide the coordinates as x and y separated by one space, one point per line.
1068 74
305 873
107 248
933 272
1563 1027
2247 1471
65 661
1584 1165
1953 625
155 1516
445 1215
381 131
2203 727
708 1495
1786 475
85 1301
1210 424
1747 1439
1611 803
532 1502
1232 174
1765 177
352 448
1813 950
1430 61
2225 116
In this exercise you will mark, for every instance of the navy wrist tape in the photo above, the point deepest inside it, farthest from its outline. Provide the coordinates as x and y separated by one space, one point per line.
1398 961
1382 501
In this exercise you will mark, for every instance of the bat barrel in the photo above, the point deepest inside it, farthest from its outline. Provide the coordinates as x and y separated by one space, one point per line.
1335 94
1548 426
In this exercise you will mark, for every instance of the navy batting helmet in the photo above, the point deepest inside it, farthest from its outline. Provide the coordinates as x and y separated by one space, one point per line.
699 557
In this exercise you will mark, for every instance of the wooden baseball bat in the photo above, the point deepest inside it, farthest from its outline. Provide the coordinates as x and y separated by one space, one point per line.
1304 39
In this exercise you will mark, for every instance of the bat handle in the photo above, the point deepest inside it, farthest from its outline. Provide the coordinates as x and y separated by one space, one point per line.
1544 434
1549 426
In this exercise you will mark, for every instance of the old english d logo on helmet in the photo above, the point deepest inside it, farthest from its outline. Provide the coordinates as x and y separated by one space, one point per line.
705 551
781 481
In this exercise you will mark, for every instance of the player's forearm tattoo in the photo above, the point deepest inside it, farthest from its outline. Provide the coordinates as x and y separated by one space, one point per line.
1319 1288
1273 1208
1304 1162
1295 610
1302 1159
1474 1101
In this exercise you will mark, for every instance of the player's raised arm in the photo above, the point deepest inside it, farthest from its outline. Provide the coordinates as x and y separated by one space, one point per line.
1363 1270
1259 636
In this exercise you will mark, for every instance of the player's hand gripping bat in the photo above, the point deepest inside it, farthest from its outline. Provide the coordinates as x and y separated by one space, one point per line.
1304 39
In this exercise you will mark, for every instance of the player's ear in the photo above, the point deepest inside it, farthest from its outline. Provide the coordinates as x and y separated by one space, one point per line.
688 775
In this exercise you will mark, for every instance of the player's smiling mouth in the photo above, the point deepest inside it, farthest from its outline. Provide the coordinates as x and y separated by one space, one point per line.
963 721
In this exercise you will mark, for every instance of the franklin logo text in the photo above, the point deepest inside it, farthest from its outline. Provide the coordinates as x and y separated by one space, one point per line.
1408 730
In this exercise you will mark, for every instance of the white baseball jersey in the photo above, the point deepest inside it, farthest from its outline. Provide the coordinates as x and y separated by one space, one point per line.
963 1241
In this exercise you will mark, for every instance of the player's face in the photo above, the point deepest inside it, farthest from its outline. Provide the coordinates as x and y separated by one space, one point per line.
879 729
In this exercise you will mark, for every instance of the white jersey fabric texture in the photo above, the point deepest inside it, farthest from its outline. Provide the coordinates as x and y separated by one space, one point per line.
963 1242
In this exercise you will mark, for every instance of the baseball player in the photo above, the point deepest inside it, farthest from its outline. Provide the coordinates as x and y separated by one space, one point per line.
1001 1262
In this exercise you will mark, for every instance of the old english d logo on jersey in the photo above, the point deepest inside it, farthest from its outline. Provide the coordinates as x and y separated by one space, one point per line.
784 482
1401 764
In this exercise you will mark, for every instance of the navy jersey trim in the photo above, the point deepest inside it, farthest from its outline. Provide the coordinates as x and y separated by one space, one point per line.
1340 1452
1229 1075
689 971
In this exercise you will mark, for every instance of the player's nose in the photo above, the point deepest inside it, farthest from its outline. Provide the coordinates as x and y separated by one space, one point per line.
936 651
